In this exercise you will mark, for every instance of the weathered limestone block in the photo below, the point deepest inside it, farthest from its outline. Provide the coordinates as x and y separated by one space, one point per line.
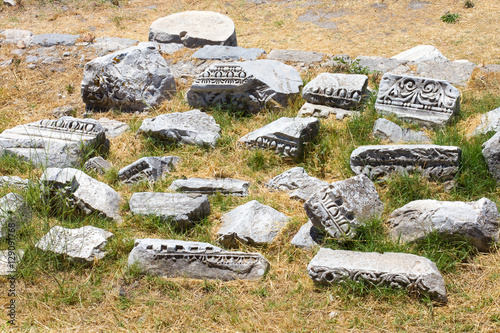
9 259
194 29
378 64
477 221
305 57
423 100
174 258
47 40
323 111
286 136
82 243
179 208
150 168
397 270
339 90
13 36
13 181
113 128
211 186
455 72
387 130
308 236
491 153
251 223
13 212
234 53
436 162
421 53
343 206
247 86
489 122
54 143
98 164
190 127
297 182
133 79
112 44
82 191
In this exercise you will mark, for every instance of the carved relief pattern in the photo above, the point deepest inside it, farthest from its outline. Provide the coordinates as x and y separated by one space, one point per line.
333 96
336 216
68 125
223 75
418 93
137 171
284 145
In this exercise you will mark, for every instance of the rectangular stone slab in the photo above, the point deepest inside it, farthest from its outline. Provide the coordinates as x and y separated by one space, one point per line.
397 270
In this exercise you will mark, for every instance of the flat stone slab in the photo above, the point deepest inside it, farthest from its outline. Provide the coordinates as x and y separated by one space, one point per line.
338 90
194 29
423 100
252 223
297 182
47 40
54 143
113 128
306 57
174 258
308 237
489 122
13 181
98 164
378 64
132 79
211 186
389 131
178 208
14 36
190 127
396 270
234 53
477 221
491 153
113 44
83 192
455 72
436 162
85 243
343 206
150 168
285 136
13 212
245 86
9 259
421 53
323 111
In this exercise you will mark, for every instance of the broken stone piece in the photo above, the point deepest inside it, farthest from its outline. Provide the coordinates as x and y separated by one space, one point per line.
47 40
396 270
179 208
233 53
491 153
9 259
421 53
211 186
14 36
297 182
113 127
322 111
286 136
150 168
98 164
477 221
306 57
83 243
343 206
436 162
112 44
196 260
308 236
251 223
455 72
13 181
387 130
13 212
489 122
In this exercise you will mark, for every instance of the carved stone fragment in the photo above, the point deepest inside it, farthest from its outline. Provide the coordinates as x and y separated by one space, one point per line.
150 168
190 127
396 270
98 164
54 143
13 212
338 90
179 208
489 122
297 182
285 136
86 243
435 162
196 260
343 206
251 223
323 111
477 221
423 100
245 86
211 186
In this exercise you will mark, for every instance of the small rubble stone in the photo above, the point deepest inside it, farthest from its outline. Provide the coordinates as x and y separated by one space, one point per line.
423 100
489 122
47 40
113 44
13 212
134 79
170 48
174 258
9 259
322 111
179 208
246 86
98 164
194 29
308 236
190 127
396 270
421 53
113 128
477 221
85 243
337 90
387 130
14 36
435 162
305 57
211 186
286 136
297 182
150 168
6 63
343 206
234 53
252 223
64 111
83 192
491 153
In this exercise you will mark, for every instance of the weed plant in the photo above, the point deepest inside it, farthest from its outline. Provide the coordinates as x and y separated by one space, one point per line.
450 17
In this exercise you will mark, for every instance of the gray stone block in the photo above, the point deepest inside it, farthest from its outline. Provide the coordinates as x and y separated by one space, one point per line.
491 153
211 186
14 36
98 164
113 128
48 40
113 44
323 111
306 57
308 237
387 130
489 122
151 168
297 182
421 53
13 212
234 53
378 64
455 72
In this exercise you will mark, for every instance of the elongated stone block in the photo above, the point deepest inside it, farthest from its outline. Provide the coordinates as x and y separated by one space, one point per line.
423 100
436 162
396 270
175 258
211 186
338 90
150 168
297 182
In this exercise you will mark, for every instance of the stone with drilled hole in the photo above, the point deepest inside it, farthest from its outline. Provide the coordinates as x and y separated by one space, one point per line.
211 186
150 168
297 182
